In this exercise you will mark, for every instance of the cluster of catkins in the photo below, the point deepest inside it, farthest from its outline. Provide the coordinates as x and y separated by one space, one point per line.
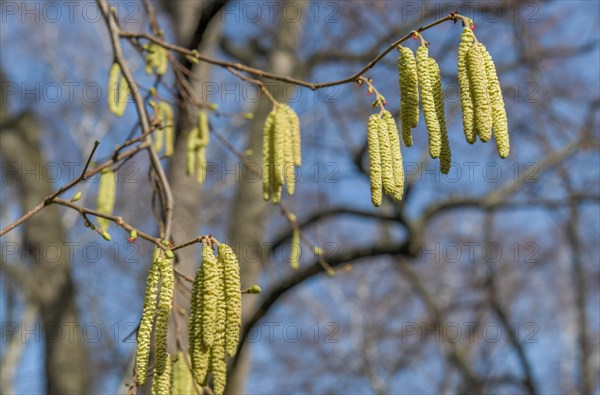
118 90
215 315
157 59
385 159
481 101
281 151
176 380
480 94
166 128
197 140
159 285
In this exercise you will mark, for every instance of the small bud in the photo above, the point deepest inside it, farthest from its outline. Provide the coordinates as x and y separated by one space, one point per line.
317 250
473 27
169 254
153 91
292 217
133 234
92 226
359 82
113 10
106 236
213 106
76 197
255 289
151 103
249 115
331 272
166 243
130 240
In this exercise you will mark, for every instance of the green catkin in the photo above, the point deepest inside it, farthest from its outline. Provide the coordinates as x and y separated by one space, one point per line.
106 196
182 380
438 96
203 129
156 59
118 89
267 154
428 102
479 87
198 353
201 165
387 168
218 366
233 298
409 93
145 328
295 136
165 113
202 143
280 129
466 96
374 159
295 250
290 177
161 383
165 302
499 120
190 151
396 155
210 303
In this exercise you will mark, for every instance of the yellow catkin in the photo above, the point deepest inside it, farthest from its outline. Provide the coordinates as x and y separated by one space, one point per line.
201 165
374 159
428 102
106 196
396 155
190 151
197 351
203 129
267 153
409 93
466 96
161 383
295 136
156 59
387 168
280 136
145 329
479 87
182 381
233 298
118 89
218 366
499 120
438 96
165 114
210 303
295 250
165 302
290 177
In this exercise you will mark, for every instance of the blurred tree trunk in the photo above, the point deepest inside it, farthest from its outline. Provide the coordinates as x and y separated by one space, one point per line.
250 211
47 283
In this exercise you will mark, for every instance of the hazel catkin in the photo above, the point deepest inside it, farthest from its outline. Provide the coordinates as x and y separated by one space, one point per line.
233 297
396 155
182 380
428 102
165 302
106 196
466 95
267 151
211 283
118 90
145 328
438 95
479 87
409 93
161 382
374 159
499 120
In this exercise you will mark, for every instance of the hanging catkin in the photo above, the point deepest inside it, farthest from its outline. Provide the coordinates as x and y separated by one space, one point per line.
182 383
479 87
233 297
145 329
290 177
165 301
295 250
118 90
387 169
279 143
198 352
267 171
156 59
428 102
438 95
374 159
190 151
295 136
203 140
212 283
165 114
161 383
499 121
466 96
409 93
106 196
396 155
218 366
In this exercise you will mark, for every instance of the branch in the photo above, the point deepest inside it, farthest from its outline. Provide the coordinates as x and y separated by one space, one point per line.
261 73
